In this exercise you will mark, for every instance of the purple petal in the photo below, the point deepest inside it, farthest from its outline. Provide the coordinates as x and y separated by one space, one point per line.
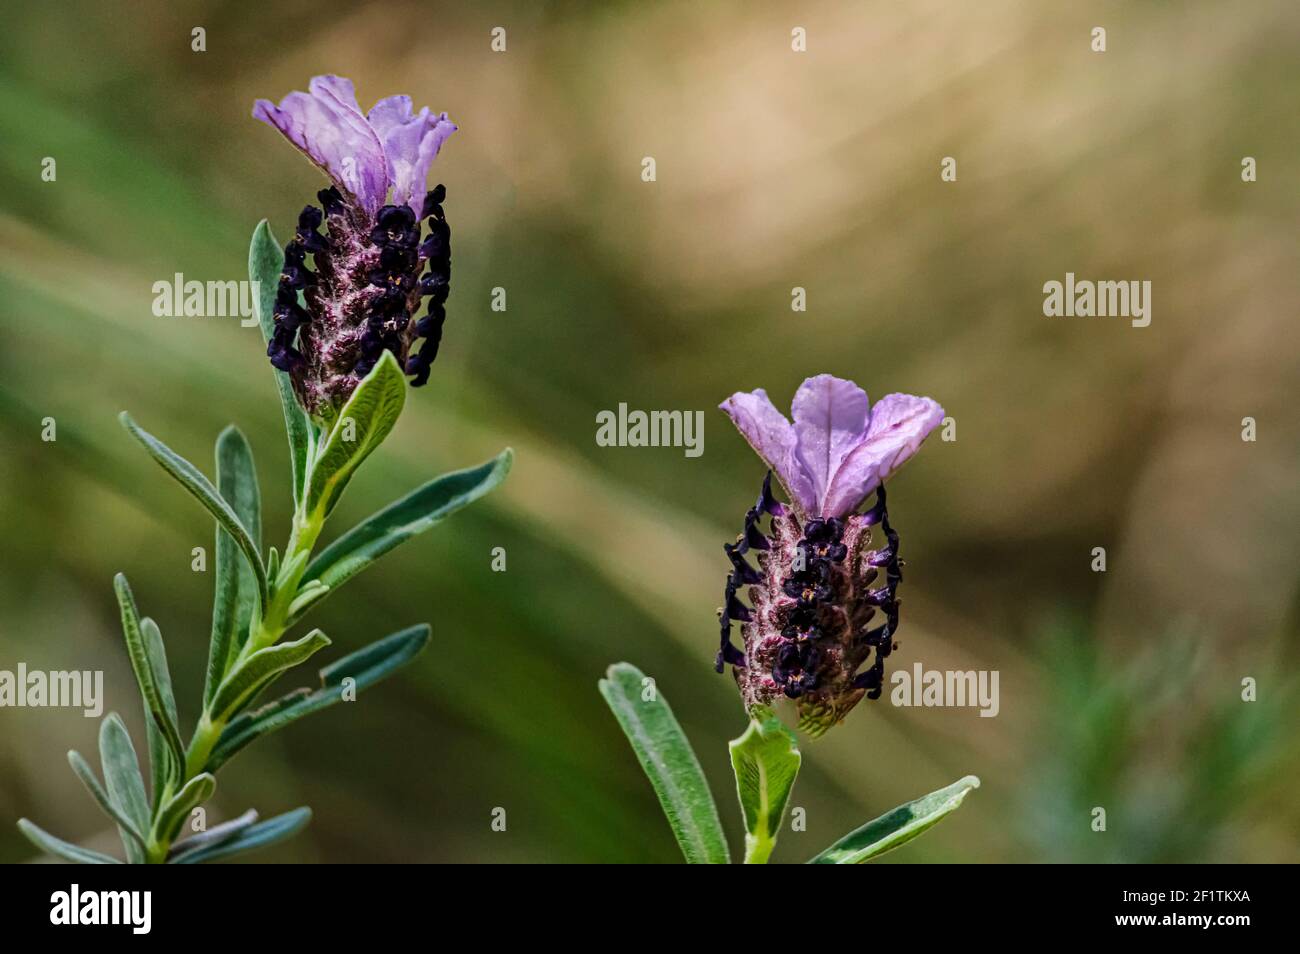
410 142
329 128
830 418
773 439
899 423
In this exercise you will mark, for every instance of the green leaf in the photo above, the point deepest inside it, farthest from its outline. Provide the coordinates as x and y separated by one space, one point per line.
766 762
254 836
236 588
308 595
159 713
416 512
898 826
260 669
158 752
194 793
669 761
125 784
265 262
215 835
46 842
131 836
363 423
366 666
201 488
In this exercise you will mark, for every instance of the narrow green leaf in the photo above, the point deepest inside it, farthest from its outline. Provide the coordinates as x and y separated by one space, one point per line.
157 710
668 761
766 762
265 262
398 522
363 423
194 793
898 826
124 782
157 653
215 835
46 842
365 667
309 594
255 836
131 836
161 768
260 669
236 587
202 490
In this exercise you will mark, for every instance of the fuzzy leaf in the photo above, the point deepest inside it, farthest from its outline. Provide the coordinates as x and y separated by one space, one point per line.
131 836
159 713
193 794
254 836
898 826
416 512
766 762
265 262
46 842
158 755
363 423
236 588
215 835
366 666
670 763
260 669
189 477
125 783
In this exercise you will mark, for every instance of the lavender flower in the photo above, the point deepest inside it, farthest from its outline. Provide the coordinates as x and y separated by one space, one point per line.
807 633
333 324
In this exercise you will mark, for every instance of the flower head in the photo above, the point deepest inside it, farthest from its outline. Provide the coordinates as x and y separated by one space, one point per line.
839 448
332 324
808 632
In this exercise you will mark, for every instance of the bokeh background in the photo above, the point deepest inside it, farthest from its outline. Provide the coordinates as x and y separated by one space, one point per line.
775 169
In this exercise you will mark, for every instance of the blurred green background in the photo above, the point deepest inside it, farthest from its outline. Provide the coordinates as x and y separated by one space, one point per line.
775 169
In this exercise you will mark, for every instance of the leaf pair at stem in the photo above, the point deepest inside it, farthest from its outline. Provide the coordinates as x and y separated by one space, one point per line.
766 761
257 600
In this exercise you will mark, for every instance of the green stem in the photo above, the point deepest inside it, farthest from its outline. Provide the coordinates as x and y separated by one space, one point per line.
267 629
758 850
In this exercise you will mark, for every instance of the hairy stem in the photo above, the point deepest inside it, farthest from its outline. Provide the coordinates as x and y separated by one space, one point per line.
268 626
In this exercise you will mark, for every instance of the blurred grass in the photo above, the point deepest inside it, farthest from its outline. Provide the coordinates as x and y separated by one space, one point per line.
775 170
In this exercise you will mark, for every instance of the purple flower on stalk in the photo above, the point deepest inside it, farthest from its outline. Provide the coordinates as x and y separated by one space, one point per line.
333 324
807 635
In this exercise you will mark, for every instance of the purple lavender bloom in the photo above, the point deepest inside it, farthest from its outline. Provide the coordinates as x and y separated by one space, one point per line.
333 324
807 635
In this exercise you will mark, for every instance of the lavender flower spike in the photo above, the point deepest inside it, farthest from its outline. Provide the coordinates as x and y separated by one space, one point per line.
333 324
806 635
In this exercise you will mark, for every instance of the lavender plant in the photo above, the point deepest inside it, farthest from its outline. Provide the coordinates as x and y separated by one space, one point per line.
807 633
341 341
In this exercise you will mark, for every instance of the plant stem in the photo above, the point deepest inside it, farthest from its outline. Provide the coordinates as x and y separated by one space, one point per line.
758 850
267 627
